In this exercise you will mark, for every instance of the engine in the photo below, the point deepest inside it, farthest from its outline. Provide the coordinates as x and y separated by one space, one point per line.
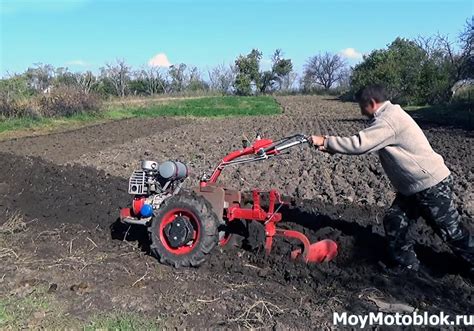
153 183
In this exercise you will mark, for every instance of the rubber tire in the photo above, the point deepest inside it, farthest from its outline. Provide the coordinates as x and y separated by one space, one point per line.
208 237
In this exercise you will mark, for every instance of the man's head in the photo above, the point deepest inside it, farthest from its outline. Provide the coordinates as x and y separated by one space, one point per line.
370 98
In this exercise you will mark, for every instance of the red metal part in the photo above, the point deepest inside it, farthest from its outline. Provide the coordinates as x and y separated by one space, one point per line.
258 144
321 251
225 239
256 213
169 218
125 213
227 205
137 204
324 250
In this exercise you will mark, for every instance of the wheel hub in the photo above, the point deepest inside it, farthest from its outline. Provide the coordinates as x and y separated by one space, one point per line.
179 232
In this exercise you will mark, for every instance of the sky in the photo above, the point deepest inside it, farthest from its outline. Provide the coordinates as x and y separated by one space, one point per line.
86 34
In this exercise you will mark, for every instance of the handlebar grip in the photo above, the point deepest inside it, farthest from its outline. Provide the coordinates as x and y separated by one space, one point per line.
298 137
268 149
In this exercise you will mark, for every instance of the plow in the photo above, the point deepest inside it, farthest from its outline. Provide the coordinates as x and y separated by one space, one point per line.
185 227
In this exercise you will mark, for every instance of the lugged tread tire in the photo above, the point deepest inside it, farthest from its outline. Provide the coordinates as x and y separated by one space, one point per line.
208 236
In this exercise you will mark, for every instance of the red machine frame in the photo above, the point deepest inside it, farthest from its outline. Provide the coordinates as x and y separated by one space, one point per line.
227 202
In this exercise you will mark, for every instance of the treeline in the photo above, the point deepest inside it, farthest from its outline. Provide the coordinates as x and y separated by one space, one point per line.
118 79
420 71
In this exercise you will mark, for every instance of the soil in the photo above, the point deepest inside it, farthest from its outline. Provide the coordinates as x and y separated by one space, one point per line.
67 145
68 188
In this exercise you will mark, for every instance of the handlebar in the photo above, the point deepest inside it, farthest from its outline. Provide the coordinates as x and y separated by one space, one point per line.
261 149
288 142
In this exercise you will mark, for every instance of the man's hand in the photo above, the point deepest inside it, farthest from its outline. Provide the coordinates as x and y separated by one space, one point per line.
318 142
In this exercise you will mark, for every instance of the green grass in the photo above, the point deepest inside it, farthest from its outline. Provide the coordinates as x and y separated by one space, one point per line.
122 322
201 107
35 309
42 123
40 310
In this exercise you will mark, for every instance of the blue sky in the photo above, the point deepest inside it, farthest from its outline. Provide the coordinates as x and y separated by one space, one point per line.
84 34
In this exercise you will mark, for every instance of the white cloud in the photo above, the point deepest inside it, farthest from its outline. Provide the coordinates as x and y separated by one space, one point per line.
351 53
79 63
159 60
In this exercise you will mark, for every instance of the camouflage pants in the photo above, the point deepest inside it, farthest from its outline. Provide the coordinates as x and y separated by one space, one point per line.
436 206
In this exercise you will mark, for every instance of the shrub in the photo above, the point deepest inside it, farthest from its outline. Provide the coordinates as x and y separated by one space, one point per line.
9 107
68 101
464 94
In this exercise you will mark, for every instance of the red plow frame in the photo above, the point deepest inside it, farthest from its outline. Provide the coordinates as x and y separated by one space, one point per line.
227 202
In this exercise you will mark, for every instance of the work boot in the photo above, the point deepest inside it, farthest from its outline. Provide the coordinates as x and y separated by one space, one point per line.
413 271
400 269
405 258
404 269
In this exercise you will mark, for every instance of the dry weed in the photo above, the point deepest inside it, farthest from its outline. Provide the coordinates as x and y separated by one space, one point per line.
14 223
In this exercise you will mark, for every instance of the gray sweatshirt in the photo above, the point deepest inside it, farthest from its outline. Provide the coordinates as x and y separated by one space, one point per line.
406 155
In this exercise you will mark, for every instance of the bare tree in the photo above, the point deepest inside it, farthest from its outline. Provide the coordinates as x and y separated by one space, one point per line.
466 37
195 81
40 78
446 48
177 74
441 49
86 81
324 70
221 78
154 80
287 83
118 74
193 76
467 43
345 81
428 44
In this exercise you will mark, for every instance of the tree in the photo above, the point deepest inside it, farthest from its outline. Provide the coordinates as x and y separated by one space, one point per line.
195 82
288 82
272 80
104 87
15 86
324 70
118 74
177 75
86 81
247 72
149 81
420 71
281 69
221 78
398 67
138 85
344 82
267 81
249 79
466 39
440 69
63 77
41 77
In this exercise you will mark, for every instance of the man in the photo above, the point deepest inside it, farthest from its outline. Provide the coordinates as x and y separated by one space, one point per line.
418 174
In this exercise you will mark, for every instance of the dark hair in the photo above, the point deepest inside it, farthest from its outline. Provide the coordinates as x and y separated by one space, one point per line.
376 92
